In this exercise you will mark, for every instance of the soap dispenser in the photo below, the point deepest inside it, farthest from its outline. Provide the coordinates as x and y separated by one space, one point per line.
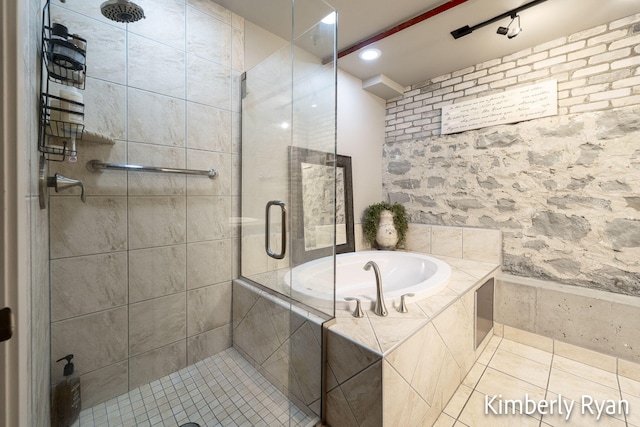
65 397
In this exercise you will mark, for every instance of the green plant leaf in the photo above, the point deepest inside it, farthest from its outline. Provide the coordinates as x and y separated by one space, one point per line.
371 218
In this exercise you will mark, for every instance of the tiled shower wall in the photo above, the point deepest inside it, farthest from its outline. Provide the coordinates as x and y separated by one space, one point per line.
38 222
564 189
141 273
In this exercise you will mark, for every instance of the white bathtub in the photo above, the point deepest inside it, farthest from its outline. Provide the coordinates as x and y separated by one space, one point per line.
402 273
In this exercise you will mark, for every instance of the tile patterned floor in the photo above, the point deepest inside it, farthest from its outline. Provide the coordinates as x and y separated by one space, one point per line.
511 369
223 390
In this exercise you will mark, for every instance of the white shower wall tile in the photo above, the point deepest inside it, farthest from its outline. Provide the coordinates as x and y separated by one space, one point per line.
212 9
77 228
208 83
156 221
157 272
201 346
147 184
91 8
105 383
82 285
164 22
105 108
98 183
203 271
156 119
206 37
205 160
106 49
208 128
208 308
147 367
96 340
156 323
208 218
237 21
237 54
155 67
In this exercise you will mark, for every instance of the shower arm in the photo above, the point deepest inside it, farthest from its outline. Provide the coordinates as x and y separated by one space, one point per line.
97 166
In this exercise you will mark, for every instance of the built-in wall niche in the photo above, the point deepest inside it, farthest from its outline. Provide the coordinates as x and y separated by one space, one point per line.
484 311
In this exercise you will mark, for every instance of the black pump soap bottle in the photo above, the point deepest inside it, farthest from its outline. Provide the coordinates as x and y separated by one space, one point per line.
65 397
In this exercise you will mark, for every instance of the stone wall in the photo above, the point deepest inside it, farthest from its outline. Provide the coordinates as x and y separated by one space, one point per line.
563 189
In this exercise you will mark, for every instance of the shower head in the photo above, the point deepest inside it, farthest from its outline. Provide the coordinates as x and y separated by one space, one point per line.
122 11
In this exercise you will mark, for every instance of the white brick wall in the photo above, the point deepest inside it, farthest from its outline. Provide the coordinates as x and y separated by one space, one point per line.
596 69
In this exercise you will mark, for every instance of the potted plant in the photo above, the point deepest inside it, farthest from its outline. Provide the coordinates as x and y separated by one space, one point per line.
371 224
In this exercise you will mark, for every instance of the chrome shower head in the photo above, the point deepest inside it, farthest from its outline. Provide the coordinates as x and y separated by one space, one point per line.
122 11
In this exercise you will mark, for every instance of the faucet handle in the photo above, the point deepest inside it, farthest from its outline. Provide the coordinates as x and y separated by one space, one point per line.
358 311
61 182
403 305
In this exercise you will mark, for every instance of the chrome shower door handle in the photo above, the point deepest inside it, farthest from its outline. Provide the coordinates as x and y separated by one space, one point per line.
267 231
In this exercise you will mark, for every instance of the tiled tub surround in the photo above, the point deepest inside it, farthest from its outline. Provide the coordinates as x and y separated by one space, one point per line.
563 189
141 273
286 346
404 368
283 342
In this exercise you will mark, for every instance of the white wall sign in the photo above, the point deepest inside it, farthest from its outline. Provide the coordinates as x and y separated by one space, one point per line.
516 105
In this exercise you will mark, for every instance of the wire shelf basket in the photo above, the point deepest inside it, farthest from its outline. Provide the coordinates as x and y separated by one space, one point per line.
64 57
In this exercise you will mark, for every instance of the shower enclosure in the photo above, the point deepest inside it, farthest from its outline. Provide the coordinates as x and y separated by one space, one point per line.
173 292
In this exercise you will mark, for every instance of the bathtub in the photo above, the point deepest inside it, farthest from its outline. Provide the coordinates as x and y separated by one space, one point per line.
402 273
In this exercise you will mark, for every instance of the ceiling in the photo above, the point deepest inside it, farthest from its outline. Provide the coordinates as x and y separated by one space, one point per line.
427 49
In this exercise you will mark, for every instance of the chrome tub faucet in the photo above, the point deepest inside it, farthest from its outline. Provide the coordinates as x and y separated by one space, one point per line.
380 309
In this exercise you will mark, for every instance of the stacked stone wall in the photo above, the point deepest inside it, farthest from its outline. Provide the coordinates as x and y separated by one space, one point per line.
565 190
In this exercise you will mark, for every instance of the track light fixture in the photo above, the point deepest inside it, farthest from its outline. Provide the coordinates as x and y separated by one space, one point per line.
508 31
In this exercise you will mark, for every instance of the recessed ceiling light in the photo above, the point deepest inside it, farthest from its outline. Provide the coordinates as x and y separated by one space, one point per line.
370 54
330 19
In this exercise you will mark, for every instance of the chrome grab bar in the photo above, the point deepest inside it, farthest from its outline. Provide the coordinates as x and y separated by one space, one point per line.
97 165
267 231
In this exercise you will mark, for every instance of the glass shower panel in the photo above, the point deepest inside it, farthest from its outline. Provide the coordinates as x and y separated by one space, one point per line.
314 133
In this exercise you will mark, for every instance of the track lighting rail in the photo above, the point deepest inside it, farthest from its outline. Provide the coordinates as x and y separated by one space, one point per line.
463 31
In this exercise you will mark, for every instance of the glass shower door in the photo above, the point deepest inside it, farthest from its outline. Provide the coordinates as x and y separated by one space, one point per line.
288 106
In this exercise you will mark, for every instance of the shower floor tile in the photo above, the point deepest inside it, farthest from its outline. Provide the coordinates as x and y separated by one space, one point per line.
222 390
